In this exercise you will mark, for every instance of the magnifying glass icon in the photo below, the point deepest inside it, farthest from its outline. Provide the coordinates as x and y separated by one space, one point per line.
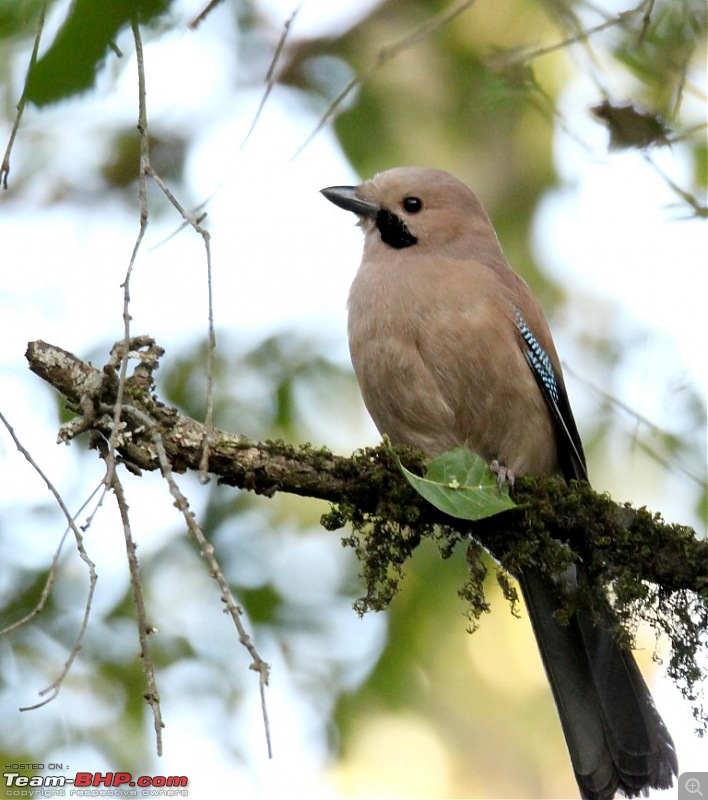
693 786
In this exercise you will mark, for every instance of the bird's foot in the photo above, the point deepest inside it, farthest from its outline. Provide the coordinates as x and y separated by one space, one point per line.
504 475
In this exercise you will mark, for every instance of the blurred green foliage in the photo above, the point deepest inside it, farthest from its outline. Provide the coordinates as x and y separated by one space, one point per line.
659 60
79 50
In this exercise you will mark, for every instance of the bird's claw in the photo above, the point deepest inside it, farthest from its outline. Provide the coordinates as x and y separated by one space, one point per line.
504 475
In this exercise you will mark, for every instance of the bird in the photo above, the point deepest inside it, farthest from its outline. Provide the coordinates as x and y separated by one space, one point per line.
450 348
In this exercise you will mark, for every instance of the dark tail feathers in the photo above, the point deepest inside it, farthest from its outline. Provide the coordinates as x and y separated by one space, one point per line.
616 738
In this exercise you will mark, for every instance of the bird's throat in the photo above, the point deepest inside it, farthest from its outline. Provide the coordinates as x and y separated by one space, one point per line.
394 231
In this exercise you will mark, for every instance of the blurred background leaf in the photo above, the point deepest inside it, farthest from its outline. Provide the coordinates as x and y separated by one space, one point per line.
77 53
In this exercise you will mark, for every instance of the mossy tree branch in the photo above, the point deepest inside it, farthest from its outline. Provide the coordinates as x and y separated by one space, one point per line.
622 537
658 571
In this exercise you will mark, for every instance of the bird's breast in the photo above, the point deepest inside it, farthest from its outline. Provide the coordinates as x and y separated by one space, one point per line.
439 365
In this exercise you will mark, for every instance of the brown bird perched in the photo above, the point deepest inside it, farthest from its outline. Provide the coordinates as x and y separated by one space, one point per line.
451 349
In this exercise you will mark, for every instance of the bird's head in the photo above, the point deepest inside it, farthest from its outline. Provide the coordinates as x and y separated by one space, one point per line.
417 207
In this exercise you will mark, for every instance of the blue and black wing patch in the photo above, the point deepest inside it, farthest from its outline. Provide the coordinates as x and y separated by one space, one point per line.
571 457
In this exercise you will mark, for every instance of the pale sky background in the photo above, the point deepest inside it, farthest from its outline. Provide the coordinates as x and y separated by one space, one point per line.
283 258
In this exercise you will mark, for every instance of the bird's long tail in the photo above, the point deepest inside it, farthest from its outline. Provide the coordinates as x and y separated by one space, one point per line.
616 738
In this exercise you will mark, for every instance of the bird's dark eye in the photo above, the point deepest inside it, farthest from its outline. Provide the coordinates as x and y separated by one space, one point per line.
412 204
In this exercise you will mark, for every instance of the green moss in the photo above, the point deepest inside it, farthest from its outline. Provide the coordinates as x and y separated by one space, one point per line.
472 591
556 526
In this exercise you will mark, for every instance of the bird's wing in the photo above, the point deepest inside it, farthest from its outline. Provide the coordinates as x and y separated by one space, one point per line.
571 457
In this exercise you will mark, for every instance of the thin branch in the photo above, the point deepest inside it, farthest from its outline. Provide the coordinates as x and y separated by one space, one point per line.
144 217
646 20
699 209
144 629
147 170
206 549
384 56
5 166
688 133
119 363
640 419
211 353
211 349
580 37
270 75
54 688
91 385
204 13
231 607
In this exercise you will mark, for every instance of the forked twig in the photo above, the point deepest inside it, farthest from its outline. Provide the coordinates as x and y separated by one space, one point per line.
51 691
206 549
119 362
580 37
231 607
146 169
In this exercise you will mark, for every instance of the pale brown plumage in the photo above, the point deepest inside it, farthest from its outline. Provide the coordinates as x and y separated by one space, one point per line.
451 348
399 327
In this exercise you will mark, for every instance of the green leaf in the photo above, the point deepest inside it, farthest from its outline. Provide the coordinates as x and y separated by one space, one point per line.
461 484
85 38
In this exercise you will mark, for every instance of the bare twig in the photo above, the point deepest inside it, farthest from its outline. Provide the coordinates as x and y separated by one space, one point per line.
211 350
383 57
699 209
144 217
91 386
54 688
231 607
581 36
270 75
119 362
5 166
204 13
206 549
146 169
144 629
646 20
640 419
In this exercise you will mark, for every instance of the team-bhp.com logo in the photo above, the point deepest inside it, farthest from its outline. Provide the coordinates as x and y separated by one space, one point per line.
91 784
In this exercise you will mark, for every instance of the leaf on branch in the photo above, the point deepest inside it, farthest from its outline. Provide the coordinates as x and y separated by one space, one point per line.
461 484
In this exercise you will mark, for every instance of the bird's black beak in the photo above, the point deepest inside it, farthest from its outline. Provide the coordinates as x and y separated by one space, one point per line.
346 197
